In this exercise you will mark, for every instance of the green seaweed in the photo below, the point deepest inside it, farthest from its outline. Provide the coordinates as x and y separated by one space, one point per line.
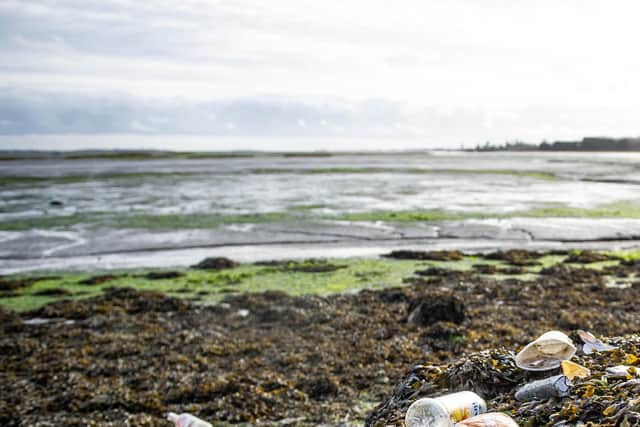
622 209
245 278
211 287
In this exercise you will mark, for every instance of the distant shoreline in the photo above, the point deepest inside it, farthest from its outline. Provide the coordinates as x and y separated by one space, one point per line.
16 155
588 144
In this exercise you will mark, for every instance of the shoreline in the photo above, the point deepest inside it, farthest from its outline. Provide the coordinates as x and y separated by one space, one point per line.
299 358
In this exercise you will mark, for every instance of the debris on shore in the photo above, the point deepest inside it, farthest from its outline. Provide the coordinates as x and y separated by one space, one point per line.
598 398
130 356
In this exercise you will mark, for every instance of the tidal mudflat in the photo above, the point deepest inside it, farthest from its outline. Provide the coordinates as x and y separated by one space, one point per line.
121 212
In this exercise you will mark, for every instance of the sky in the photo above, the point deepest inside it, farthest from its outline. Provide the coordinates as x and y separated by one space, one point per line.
307 75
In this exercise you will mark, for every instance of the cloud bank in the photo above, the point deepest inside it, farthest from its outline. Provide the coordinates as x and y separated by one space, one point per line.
447 73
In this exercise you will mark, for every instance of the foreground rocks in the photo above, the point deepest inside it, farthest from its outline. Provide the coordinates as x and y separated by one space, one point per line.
126 357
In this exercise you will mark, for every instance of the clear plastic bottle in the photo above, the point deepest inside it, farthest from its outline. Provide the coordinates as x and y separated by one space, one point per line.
187 420
445 410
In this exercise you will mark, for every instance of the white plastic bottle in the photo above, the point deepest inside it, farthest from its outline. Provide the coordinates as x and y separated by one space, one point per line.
444 411
187 420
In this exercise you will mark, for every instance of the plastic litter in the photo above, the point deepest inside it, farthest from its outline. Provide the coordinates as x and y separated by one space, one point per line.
187 420
445 410
490 419
556 386
622 371
573 370
591 343
546 352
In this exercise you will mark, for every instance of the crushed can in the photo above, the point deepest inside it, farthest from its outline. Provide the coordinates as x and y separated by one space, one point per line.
444 411
490 419
556 386
187 420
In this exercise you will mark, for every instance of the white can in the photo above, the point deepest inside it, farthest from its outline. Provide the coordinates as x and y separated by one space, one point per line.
445 410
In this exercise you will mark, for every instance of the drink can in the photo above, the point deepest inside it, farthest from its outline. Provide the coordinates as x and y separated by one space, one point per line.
556 386
445 410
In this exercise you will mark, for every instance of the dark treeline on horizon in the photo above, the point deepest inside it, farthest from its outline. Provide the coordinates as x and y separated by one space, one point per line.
587 144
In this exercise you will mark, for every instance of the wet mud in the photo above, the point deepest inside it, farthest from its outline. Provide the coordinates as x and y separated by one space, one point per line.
126 357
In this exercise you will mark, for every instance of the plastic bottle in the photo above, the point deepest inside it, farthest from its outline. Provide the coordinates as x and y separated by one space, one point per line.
187 420
445 410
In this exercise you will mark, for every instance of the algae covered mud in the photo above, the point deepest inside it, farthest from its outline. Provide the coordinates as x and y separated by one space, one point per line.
119 211
113 352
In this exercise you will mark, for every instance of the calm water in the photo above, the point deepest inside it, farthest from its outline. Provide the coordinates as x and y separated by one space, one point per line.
99 195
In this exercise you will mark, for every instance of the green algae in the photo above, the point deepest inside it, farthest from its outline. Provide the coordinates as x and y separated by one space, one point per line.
622 209
210 287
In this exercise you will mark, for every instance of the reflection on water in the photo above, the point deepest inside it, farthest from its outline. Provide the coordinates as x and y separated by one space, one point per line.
324 186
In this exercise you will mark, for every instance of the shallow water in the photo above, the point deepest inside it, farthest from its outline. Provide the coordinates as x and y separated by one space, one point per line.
98 200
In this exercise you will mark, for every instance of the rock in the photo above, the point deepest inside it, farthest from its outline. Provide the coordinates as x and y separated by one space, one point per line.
426 255
436 307
217 263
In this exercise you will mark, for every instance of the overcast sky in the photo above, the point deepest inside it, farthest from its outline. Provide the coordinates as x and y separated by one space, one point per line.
312 73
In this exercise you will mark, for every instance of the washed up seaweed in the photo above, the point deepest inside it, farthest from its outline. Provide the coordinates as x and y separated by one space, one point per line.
597 398
130 356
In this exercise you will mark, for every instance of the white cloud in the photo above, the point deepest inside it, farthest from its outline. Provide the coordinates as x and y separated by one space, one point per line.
460 70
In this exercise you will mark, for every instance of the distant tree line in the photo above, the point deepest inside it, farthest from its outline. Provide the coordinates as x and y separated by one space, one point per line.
587 144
